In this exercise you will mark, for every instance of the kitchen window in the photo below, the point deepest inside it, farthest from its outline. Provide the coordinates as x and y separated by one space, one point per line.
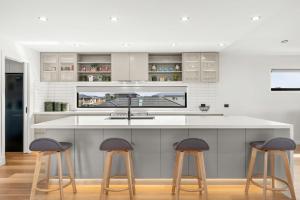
141 97
285 80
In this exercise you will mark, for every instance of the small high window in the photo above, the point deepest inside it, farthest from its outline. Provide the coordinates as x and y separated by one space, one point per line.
285 80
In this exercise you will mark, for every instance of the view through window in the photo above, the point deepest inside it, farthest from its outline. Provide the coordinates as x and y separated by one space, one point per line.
285 79
140 97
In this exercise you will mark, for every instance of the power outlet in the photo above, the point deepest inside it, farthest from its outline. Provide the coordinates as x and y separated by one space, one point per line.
226 105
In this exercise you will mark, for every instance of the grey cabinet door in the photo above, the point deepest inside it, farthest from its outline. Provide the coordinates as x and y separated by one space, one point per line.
138 66
211 156
88 157
120 66
168 154
146 153
61 136
118 165
231 151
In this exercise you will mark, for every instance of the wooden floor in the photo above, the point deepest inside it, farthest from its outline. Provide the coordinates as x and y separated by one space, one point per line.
16 177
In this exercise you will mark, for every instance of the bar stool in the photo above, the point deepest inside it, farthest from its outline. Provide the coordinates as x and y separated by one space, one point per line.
194 147
48 147
270 148
114 146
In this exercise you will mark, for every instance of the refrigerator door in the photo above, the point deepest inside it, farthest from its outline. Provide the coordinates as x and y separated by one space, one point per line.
14 112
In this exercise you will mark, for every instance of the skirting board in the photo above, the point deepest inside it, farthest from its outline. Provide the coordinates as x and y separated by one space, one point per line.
2 160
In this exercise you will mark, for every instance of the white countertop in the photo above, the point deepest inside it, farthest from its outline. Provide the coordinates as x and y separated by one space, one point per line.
163 121
107 112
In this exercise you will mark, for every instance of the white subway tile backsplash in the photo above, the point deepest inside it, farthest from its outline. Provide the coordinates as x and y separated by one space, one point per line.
66 92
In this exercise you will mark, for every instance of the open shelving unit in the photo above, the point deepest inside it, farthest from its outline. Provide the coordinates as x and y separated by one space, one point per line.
165 67
94 67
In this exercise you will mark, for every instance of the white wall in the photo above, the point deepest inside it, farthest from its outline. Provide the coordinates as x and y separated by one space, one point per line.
17 52
245 85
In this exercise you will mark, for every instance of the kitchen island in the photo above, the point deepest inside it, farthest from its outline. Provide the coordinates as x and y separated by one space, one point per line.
154 157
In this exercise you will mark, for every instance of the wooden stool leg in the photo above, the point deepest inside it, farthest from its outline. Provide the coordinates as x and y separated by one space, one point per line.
70 169
36 175
107 182
178 175
265 175
198 171
175 173
129 173
272 168
250 169
105 175
60 176
132 173
288 174
201 163
48 170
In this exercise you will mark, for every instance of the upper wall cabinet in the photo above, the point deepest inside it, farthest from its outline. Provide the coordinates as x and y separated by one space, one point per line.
165 67
191 64
129 66
210 67
200 67
94 67
58 66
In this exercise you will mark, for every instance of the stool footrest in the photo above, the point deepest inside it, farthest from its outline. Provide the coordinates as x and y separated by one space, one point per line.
54 189
191 190
115 190
268 187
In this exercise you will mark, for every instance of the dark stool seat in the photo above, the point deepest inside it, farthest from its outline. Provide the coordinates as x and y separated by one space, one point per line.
116 144
191 144
47 144
283 144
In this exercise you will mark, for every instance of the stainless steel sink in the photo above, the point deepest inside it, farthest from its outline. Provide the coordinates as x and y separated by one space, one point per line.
132 117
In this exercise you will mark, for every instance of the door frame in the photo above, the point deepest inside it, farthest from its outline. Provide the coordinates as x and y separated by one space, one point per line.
26 129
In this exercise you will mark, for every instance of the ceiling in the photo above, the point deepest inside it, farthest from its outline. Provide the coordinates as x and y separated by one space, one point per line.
153 25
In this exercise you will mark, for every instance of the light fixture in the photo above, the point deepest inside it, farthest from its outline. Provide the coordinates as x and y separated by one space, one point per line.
221 44
114 19
37 43
76 45
284 41
255 18
173 44
185 18
43 18
125 45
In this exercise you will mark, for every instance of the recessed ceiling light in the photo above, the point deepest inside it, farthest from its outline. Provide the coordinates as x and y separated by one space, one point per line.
173 44
43 18
76 45
221 44
284 41
37 43
114 19
125 45
255 18
185 18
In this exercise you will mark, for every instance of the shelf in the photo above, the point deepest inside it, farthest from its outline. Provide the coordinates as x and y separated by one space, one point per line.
165 62
97 72
209 70
160 72
192 70
96 62
190 61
